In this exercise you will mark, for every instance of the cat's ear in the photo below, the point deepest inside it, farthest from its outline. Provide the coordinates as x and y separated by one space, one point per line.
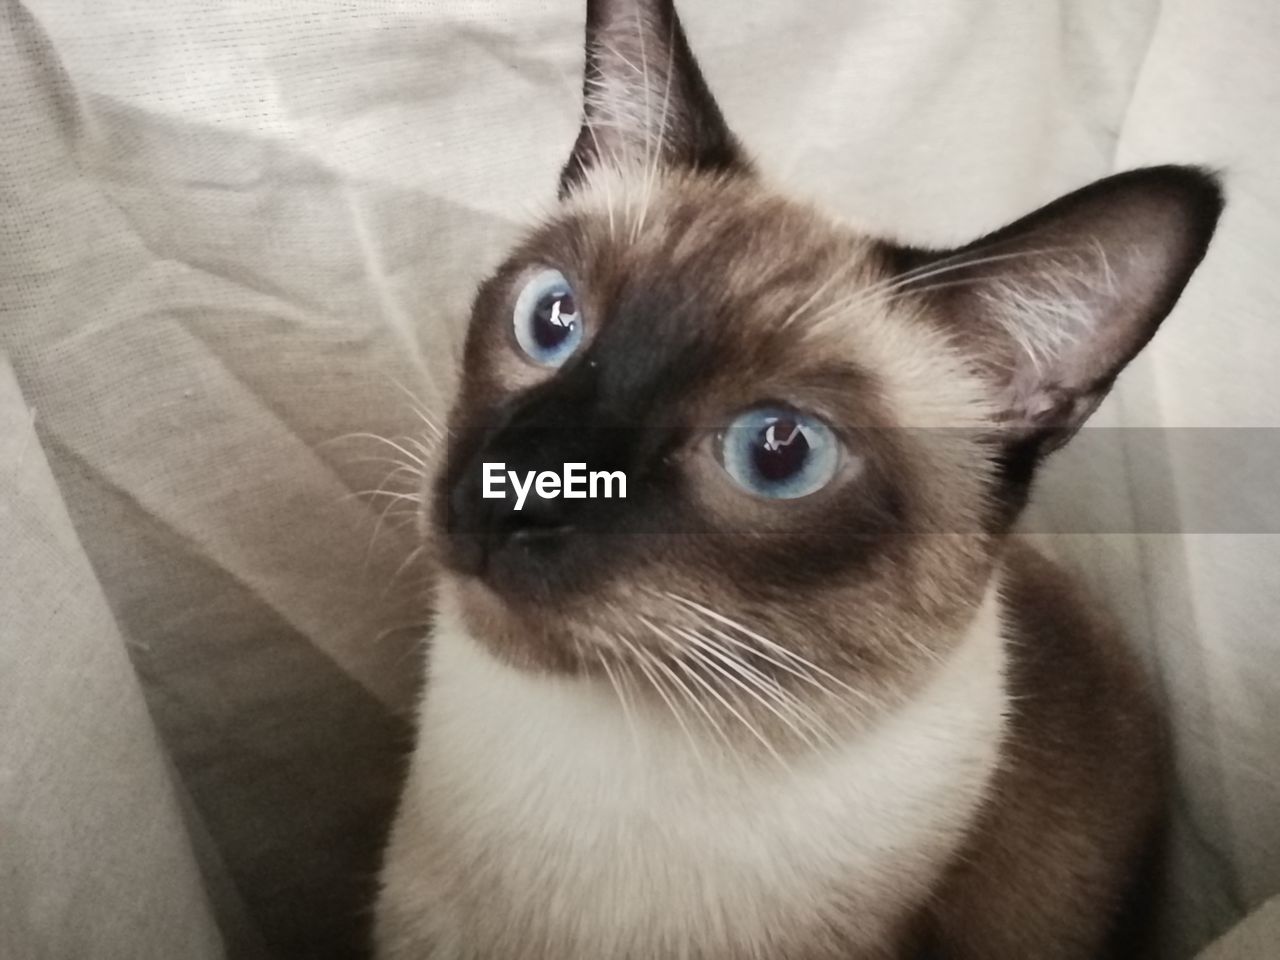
1053 306
645 101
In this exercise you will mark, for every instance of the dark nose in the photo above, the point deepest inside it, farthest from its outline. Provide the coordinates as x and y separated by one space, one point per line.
480 526
510 547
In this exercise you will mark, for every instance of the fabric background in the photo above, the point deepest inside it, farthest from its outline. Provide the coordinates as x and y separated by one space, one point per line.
232 235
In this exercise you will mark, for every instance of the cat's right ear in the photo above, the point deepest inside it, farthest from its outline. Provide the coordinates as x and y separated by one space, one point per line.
645 102
1053 306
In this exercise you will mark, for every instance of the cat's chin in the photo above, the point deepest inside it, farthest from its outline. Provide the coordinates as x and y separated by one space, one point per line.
525 637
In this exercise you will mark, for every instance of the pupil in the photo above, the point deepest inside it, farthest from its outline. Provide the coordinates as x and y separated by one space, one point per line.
553 319
780 450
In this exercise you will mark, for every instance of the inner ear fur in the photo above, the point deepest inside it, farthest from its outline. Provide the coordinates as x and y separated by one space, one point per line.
645 101
1053 306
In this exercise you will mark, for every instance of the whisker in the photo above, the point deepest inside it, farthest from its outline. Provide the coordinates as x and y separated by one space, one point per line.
689 696
377 529
639 659
412 497
813 298
648 118
418 445
618 53
702 708
594 174
608 190
382 490
651 174
419 408
773 647
763 687
408 561
976 258
890 287
622 697
737 714
384 440
417 471
720 672
400 628
373 494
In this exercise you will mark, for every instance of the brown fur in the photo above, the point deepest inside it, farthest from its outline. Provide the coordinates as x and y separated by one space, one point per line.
906 591
704 293
1077 802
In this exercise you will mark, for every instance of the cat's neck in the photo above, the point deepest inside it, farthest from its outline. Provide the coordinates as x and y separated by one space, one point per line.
523 776
589 720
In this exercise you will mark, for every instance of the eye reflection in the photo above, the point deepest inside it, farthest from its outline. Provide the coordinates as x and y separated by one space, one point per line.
781 450
779 454
546 320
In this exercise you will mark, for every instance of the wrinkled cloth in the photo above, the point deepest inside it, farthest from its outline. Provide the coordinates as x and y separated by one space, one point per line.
237 245
1256 936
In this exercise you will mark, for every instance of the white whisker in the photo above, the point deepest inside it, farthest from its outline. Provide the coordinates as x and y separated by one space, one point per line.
812 298
761 687
653 166
808 667
408 561
623 700
419 408
660 663
719 671
640 659
693 676
886 290
648 121
737 714
399 448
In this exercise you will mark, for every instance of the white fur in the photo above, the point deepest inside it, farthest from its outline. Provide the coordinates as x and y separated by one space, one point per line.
537 823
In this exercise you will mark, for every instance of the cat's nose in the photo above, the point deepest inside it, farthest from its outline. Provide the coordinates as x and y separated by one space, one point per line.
512 519
531 526
538 518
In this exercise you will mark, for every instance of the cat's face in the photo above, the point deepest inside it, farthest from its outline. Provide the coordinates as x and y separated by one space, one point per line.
692 344
822 433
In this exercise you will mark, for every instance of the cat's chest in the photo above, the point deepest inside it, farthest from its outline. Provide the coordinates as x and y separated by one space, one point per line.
601 836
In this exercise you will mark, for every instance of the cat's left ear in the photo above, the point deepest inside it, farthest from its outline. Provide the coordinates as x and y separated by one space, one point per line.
1052 307
645 101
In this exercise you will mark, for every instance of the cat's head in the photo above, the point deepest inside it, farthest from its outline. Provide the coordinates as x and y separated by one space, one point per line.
823 433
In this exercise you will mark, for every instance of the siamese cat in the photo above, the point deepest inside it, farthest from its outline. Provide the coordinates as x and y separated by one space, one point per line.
797 695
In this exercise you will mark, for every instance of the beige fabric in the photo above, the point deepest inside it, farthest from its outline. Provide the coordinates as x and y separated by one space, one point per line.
1256 937
88 819
232 233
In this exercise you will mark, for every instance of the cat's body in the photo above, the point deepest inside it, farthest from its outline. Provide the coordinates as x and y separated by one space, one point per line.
799 695
532 827
1058 863
862 831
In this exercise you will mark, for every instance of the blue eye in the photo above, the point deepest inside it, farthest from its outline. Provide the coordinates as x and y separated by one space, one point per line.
547 322
779 453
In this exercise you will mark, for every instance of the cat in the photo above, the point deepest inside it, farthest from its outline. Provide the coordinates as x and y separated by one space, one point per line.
798 695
